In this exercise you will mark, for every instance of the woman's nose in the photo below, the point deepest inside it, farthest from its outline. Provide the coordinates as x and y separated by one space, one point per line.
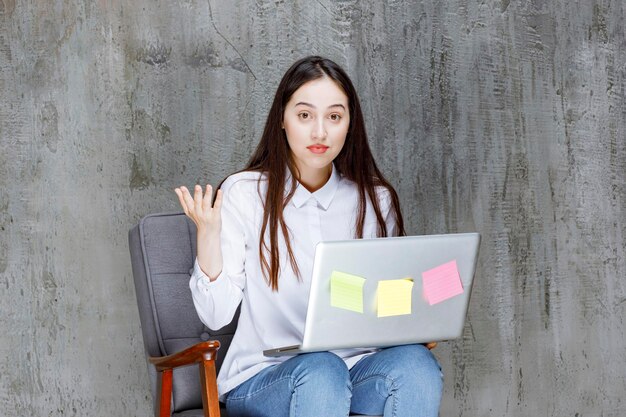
319 130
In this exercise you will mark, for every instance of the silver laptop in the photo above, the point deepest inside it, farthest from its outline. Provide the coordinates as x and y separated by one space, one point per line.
437 307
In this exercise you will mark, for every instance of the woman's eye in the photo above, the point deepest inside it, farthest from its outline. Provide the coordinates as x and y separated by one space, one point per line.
304 116
335 117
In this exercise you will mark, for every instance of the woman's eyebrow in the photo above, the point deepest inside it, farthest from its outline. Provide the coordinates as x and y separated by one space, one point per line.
312 106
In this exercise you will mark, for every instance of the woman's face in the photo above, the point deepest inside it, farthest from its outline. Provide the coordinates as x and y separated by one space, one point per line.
316 122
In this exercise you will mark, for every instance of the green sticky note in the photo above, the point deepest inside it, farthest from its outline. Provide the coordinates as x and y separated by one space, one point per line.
346 291
394 297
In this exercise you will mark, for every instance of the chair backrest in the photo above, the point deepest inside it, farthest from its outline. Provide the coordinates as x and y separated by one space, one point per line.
163 249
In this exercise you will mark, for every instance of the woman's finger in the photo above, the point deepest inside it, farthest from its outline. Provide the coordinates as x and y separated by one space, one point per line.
187 198
218 202
179 194
197 199
206 200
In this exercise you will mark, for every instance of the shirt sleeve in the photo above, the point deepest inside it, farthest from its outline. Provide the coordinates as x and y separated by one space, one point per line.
216 301
387 212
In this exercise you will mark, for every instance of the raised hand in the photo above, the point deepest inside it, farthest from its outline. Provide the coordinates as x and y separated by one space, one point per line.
208 220
198 208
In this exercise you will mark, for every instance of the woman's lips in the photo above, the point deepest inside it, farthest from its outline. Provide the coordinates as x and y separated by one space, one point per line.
317 148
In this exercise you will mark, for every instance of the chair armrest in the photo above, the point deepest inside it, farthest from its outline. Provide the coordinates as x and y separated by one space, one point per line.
194 354
204 354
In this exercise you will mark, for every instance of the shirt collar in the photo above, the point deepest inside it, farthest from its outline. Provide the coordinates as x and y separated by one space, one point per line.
323 196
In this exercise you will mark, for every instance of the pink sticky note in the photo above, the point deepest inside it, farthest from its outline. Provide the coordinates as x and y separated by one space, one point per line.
442 282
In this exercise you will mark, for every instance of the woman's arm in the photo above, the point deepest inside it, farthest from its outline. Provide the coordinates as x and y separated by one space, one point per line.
386 208
208 222
218 278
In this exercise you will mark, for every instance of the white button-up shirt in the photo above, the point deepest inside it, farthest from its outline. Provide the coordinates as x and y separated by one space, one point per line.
272 319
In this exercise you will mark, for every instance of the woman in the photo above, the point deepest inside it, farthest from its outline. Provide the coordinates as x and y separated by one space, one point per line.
311 178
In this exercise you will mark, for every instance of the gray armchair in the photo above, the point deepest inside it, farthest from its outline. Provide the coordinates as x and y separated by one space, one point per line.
163 248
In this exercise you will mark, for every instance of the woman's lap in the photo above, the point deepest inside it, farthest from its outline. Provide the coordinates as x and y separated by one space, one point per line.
399 381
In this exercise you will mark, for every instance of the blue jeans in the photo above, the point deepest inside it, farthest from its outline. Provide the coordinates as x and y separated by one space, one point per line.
402 381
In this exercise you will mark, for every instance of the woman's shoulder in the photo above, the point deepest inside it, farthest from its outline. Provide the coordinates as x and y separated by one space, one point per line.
243 181
382 192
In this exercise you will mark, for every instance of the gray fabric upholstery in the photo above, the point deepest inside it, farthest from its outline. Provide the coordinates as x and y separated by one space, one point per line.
162 248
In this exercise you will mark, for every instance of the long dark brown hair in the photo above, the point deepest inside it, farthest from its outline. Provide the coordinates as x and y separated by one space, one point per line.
273 157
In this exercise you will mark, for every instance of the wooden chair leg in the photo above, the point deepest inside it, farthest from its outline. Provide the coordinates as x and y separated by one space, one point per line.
164 388
210 400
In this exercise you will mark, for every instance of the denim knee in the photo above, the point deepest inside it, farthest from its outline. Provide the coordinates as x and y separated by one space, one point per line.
416 366
323 369
307 385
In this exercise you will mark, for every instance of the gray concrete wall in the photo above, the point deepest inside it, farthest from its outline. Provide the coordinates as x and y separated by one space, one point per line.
505 117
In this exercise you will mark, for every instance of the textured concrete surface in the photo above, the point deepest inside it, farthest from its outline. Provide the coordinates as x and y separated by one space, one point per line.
505 117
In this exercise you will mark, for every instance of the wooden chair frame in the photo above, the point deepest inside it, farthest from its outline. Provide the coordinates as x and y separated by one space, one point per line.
204 354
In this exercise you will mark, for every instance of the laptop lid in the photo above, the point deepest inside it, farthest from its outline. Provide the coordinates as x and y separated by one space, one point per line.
434 313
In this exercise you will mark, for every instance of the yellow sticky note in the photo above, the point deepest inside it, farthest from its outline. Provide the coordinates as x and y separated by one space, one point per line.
394 297
346 291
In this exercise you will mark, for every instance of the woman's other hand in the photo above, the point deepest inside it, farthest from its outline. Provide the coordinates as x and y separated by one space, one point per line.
208 220
199 209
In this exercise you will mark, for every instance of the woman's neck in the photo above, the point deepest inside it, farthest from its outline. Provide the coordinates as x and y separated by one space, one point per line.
314 179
